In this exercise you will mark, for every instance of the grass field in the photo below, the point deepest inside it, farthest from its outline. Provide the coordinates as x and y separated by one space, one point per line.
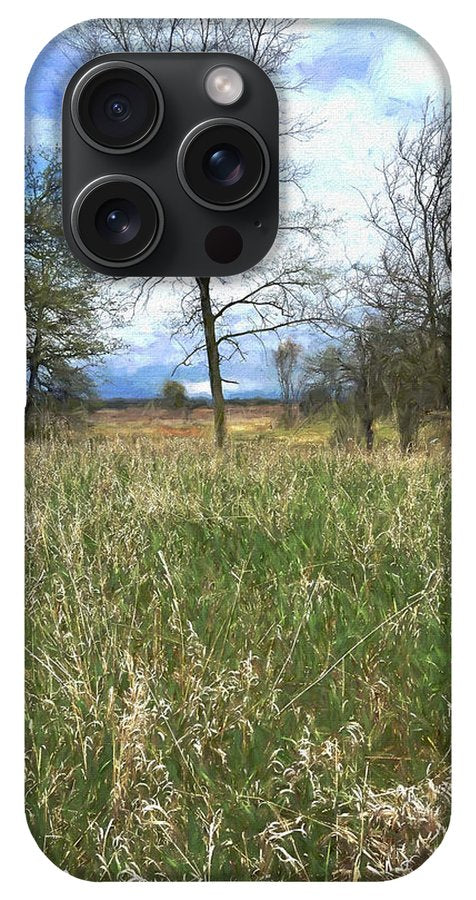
237 664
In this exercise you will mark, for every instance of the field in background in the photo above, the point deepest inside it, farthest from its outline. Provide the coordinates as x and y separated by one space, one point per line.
155 422
238 663
244 422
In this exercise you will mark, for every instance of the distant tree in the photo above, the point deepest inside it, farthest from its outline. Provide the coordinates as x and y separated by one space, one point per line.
290 291
287 361
66 314
351 370
407 374
315 397
173 395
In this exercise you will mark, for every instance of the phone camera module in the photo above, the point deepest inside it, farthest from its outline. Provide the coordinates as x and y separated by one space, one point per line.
161 173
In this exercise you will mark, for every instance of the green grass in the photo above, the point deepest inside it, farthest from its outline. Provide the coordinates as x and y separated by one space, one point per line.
195 709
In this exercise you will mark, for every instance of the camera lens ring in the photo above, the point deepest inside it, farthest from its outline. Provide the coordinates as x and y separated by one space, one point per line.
201 129
135 72
95 187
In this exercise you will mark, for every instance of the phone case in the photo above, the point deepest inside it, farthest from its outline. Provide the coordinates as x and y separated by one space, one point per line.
237 613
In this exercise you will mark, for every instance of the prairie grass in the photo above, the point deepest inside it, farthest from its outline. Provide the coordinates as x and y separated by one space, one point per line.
237 665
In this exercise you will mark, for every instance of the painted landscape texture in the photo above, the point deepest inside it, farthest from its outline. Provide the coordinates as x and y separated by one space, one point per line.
237 524
240 664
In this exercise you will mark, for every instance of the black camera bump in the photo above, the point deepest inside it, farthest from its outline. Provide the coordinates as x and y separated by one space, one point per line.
159 178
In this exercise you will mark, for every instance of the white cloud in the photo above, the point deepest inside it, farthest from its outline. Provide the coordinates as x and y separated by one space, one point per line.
199 388
42 131
361 117
411 69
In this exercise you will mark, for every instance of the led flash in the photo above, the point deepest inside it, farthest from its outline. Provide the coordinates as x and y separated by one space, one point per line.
224 85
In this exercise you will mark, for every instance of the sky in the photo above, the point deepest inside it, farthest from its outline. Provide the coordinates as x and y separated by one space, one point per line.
365 81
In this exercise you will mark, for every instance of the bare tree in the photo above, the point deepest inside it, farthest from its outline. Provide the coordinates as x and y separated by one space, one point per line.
273 296
291 290
268 42
287 358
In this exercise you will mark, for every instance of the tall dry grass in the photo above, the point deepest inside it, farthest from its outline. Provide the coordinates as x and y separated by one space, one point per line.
237 666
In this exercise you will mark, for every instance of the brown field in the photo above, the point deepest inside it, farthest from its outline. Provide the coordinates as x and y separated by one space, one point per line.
244 422
157 422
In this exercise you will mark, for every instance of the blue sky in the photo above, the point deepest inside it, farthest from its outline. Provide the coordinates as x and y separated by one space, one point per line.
366 80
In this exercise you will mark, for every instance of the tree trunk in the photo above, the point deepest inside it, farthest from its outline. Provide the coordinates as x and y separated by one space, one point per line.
369 435
408 420
367 414
31 386
29 405
213 361
288 414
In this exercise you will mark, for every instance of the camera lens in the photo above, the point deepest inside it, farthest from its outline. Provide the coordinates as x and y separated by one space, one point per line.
117 221
117 107
223 164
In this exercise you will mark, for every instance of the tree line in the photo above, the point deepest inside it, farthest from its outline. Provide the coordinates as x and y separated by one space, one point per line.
391 353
